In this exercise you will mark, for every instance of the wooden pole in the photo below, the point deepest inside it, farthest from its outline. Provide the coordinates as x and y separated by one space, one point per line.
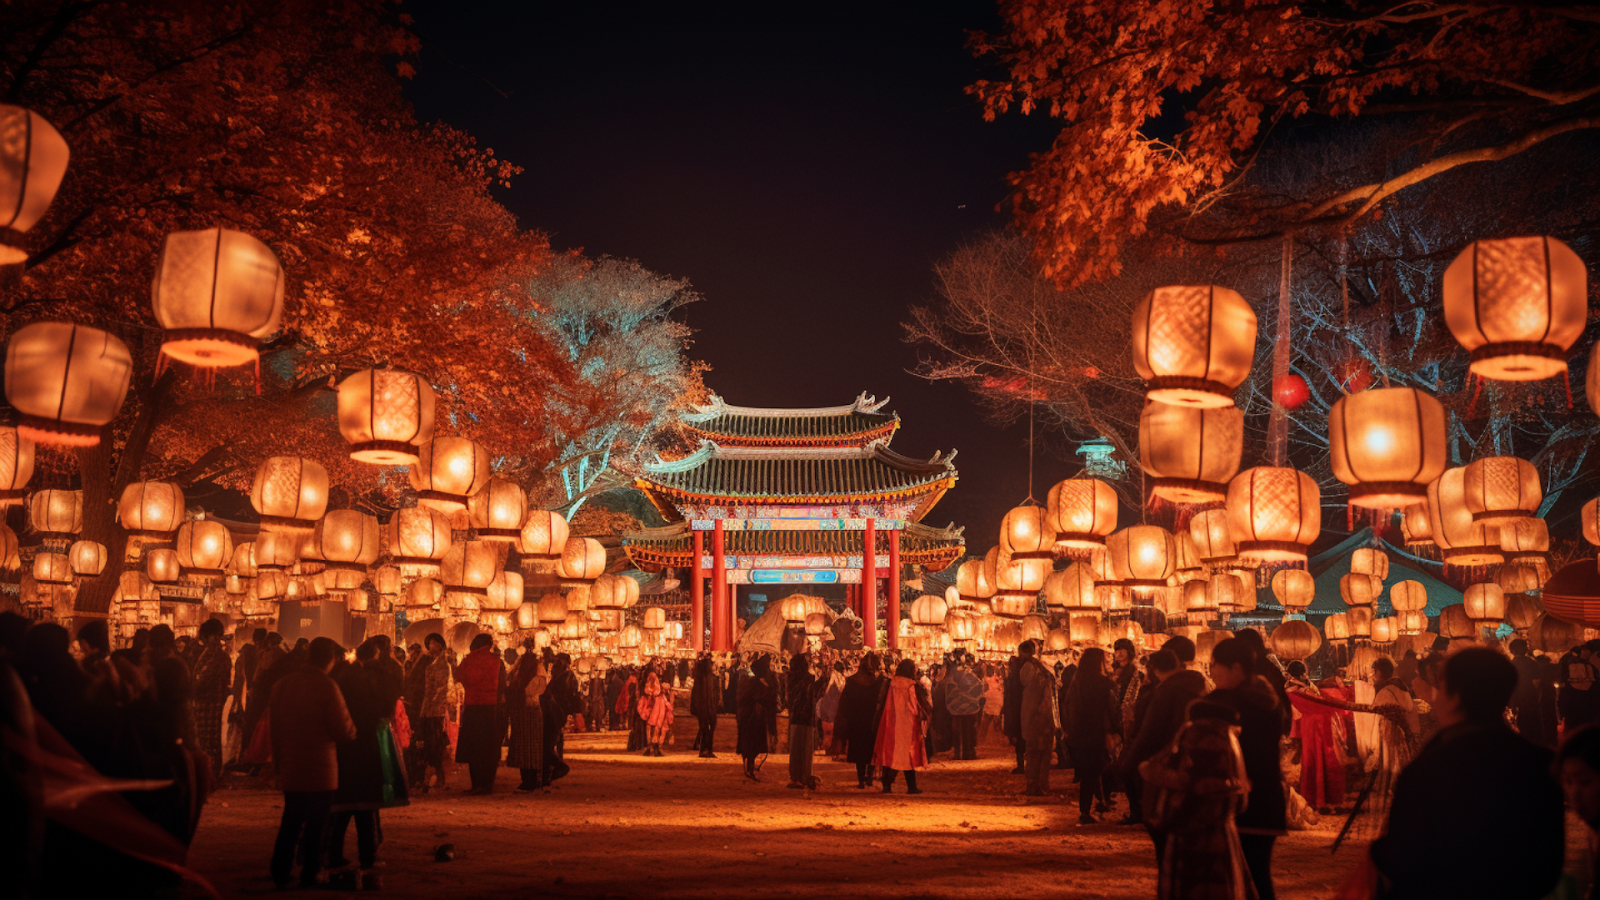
893 614
721 628
869 585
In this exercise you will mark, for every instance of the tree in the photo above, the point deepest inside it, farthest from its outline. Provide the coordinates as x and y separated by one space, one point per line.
1166 107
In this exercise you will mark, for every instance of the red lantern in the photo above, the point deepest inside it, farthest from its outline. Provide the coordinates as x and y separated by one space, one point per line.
1290 391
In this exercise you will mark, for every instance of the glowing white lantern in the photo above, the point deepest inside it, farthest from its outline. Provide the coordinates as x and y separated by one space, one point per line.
67 381
1516 305
217 293
449 470
1193 344
384 414
290 493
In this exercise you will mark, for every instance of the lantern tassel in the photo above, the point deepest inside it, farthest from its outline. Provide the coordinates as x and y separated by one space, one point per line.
1476 390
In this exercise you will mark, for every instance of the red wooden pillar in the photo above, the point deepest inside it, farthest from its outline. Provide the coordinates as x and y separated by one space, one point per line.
721 631
732 616
893 613
869 585
697 594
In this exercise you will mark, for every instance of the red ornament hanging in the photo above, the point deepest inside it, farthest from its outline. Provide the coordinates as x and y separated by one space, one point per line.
1290 391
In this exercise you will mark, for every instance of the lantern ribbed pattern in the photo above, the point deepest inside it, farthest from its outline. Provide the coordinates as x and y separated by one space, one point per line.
469 566
928 610
1485 604
1193 344
498 510
1016 577
448 470
1518 579
1210 532
582 559
16 466
388 580
66 380
552 609
88 558
1294 588
1336 627
217 292
654 619
1500 489
204 546
544 535
504 592
1516 305
52 568
796 608
1084 629
33 160
1295 639
419 535
1274 514
151 507
1082 512
961 625
1142 555
276 550
10 559
1071 588
425 593
1359 620
1360 590
1011 606
1414 622
1522 611
1387 444
271 584
1026 533
1462 540
348 537
1190 453
1408 596
53 512
1189 564
1590 516
1370 561
290 493
1385 630
1225 593
1198 597
1525 540
1417 529
384 414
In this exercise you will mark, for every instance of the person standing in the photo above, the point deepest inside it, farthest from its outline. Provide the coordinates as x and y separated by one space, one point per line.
309 721
1578 764
1476 784
964 697
370 776
213 679
1252 698
1166 714
559 697
1011 712
1525 703
526 751
993 702
803 692
1576 699
1092 712
705 702
1040 719
858 722
482 676
613 695
1199 785
435 707
903 712
758 703
655 712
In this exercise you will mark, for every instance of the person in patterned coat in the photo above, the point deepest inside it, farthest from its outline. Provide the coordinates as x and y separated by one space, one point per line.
213 679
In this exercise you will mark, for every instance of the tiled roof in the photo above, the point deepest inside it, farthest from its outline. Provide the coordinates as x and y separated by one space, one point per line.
798 475
857 424
934 548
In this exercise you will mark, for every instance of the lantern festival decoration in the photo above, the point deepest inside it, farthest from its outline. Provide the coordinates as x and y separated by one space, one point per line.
55 514
88 558
1385 630
543 536
425 594
1017 583
67 381
1517 579
1295 639
1190 453
927 611
1070 589
1142 556
1213 540
52 568
1026 533
217 292
290 493
33 161
276 550
1462 540
1295 589
1228 594
1527 541
582 561
552 609
151 508
418 539
1516 305
1336 627
469 566
449 470
1274 514
961 625
203 547
1485 604
973 583
1417 530
348 540
497 511
384 414
1387 444
1370 561
1501 489
1083 511
1198 599
1193 344
504 592
1522 611
16 466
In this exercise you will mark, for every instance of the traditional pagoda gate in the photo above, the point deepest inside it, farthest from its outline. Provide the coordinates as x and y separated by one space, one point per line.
794 496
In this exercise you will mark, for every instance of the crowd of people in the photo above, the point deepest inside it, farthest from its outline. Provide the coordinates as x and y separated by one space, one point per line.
1215 759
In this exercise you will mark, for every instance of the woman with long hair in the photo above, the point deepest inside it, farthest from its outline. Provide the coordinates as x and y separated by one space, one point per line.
526 753
903 716
858 719
1093 716
655 712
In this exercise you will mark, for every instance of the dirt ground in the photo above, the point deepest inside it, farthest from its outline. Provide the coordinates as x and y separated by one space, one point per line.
627 826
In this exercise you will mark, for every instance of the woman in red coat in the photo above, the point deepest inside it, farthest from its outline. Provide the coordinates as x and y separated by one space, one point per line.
482 675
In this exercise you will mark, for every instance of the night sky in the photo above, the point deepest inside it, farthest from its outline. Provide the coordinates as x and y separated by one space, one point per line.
804 168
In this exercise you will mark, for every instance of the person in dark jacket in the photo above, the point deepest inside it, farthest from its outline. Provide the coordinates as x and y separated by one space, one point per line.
1265 817
1578 764
1166 712
758 712
309 720
367 783
1525 700
705 701
1267 668
1156 665
559 700
1011 712
857 722
1477 784
1092 718
1068 672
804 690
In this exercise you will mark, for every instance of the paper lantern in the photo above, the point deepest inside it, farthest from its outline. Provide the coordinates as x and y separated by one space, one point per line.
1058 641
1290 391
1189 565
161 564
1026 533
1415 622
419 538
347 538
217 293
388 580
1370 561
1573 594
1359 620
33 160
552 609
582 560
449 470
57 514
1336 627
973 582
1526 541
1084 629
1360 590
543 536
578 597
1454 623
1387 444
1517 579
961 625
1227 593
1082 512
1193 344
1034 628
1199 599
1385 630
151 508
1142 555
10 559
1516 305
497 511
290 493
276 550
1273 514
631 636
1206 641
795 607
1408 596
1016 577
384 414
1190 453
1295 639
928 611
469 566
1501 489
654 619
1549 634
16 465
425 593
66 380
1416 529
1071 588
1462 540
88 558
1294 588
133 587
1011 606
1522 611
52 568
203 546
504 592
1209 529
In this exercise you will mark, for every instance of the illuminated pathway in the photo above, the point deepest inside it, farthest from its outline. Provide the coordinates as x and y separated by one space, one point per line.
623 825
